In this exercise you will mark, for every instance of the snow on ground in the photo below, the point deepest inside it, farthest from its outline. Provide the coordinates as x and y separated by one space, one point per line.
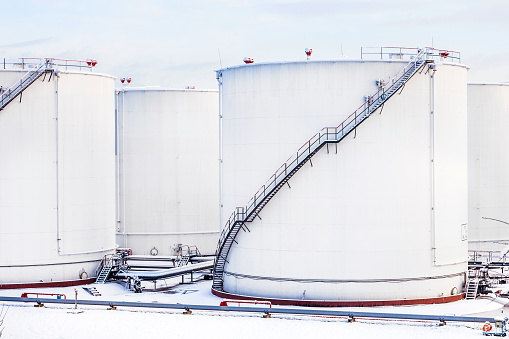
58 321
50 322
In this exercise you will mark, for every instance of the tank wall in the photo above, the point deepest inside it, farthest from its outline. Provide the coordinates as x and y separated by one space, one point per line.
270 110
450 165
39 175
358 222
86 163
9 77
169 170
488 123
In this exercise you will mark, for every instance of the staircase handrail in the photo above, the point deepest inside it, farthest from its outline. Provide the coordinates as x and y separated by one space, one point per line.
106 261
331 134
29 62
410 51
19 85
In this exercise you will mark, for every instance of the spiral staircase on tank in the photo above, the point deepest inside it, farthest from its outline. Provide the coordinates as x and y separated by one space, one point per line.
243 215
9 94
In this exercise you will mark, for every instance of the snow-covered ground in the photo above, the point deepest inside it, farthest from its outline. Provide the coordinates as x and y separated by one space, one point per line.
59 321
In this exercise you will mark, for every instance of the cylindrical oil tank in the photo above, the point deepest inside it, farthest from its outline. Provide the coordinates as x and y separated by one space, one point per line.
168 144
488 126
57 178
378 218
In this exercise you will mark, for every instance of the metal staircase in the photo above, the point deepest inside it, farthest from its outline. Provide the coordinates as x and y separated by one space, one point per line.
184 255
241 215
104 269
9 94
472 285
182 260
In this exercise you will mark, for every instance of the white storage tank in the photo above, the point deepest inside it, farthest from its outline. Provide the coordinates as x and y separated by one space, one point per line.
168 152
57 175
377 219
488 126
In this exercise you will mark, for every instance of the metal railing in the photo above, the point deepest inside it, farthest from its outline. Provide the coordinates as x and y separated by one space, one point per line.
8 94
401 53
105 262
29 63
488 256
191 251
326 135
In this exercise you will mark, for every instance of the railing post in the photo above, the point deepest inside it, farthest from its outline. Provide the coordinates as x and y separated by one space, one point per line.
285 169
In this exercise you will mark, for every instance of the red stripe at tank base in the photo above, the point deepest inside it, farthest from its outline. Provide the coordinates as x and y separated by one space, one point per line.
47 284
343 303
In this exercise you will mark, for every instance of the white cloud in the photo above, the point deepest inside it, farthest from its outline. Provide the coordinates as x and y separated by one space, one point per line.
181 38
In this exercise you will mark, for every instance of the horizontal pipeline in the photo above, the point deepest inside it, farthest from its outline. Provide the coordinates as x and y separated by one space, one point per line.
300 311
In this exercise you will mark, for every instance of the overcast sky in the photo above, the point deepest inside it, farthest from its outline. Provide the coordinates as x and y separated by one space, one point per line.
177 43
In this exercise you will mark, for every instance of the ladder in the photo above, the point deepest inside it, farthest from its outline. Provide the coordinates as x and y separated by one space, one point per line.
242 215
182 260
93 291
9 94
185 253
105 269
472 285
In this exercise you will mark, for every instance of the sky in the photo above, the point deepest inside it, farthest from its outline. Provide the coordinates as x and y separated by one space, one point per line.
174 44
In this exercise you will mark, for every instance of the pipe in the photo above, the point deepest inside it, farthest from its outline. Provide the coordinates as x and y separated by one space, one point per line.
432 158
117 155
219 78
59 238
167 273
121 178
299 311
